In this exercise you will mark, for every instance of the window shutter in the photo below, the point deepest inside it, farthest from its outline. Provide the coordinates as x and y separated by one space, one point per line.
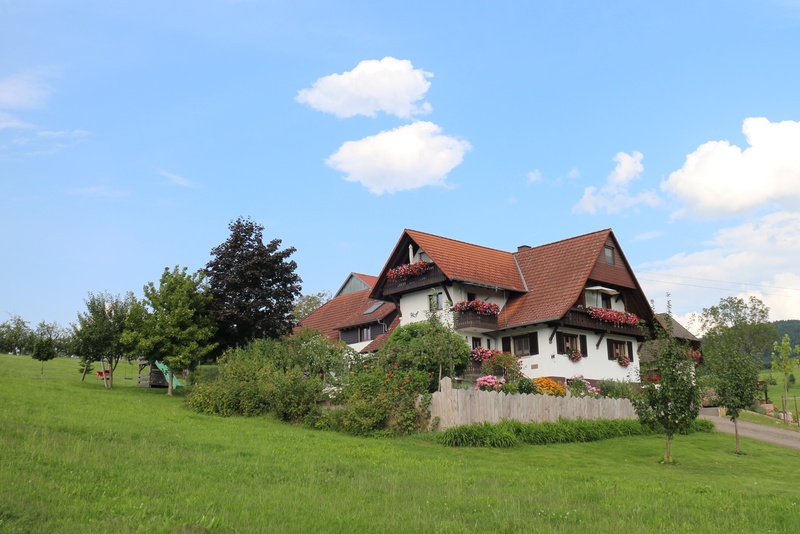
560 343
630 350
584 348
507 344
533 341
610 345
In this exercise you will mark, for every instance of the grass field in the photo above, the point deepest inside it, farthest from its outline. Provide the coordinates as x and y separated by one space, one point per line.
75 457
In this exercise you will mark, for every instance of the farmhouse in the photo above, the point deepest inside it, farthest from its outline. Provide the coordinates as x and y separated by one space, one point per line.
564 308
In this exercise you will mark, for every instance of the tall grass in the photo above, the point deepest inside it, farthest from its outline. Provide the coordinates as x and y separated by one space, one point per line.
75 457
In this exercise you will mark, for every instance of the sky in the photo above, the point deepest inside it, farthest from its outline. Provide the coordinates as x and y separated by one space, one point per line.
133 133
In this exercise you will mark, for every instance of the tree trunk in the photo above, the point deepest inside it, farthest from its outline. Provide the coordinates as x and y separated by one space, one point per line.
440 376
668 454
169 382
736 431
85 369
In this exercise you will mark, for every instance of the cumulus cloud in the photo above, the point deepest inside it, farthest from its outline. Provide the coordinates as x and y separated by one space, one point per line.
408 157
615 196
722 179
390 85
755 258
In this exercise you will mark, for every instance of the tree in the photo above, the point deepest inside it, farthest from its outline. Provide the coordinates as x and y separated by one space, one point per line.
44 348
253 286
737 334
783 362
670 402
16 336
305 304
98 332
171 324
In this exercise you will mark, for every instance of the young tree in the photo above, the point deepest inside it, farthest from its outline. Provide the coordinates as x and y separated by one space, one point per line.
16 337
672 402
172 324
44 348
783 362
737 334
253 286
98 332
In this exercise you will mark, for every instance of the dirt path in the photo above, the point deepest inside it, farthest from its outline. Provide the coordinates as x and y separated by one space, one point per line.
777 436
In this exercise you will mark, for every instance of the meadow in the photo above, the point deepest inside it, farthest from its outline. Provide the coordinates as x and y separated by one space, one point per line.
75 457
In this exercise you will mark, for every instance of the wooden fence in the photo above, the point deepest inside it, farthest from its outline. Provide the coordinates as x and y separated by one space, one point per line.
456 407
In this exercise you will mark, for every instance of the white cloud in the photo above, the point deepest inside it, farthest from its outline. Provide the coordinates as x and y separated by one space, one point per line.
722 179
390 85
615 196
175 179
408 157
63 134
534 176
9 122
23 90
573 173
756 258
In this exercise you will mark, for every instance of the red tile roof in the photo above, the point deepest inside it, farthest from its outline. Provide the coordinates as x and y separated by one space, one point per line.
556 274
346 311
380 341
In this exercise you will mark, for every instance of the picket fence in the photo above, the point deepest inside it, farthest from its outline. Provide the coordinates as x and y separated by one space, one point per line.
455 407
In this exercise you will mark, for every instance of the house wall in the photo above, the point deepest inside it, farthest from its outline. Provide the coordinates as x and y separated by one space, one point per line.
595 366
414 307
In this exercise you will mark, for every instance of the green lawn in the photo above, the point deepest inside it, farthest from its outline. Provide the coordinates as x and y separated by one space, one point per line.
776 391
75 457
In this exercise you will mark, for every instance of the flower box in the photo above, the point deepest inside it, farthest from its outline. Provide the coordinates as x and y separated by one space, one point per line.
407 271
615 317
480 307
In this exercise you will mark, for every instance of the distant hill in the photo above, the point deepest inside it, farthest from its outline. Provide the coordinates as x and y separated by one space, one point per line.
791 327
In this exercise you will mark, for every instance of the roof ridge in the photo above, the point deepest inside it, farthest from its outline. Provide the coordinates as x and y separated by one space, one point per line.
573 238
457 241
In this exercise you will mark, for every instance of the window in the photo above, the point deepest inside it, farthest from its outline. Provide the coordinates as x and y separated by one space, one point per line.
618 349
606 300
476 342
526 345
566 343
435 301
471 297
609 255
366 334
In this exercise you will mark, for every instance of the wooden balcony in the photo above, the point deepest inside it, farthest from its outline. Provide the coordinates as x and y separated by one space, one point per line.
429 278
580 318
470 320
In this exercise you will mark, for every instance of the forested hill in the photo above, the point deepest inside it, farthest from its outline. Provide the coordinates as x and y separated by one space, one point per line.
791 327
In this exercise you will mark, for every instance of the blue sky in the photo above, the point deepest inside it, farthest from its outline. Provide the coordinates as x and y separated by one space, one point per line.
132 133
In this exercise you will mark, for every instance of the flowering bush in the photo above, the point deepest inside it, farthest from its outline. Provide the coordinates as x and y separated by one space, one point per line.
548 386
652 377
490 383
481 307
697 356
406 271
502 363
574 355
617 318
480 354
580 387
624 361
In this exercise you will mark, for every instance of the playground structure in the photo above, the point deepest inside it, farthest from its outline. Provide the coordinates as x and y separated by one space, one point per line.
155 375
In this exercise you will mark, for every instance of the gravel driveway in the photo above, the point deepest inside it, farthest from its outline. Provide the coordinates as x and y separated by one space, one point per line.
776 436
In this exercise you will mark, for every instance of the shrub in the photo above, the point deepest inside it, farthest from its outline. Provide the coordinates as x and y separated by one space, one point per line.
615 389
527 386
546 433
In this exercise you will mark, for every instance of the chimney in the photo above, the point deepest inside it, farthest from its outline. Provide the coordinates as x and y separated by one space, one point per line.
523 247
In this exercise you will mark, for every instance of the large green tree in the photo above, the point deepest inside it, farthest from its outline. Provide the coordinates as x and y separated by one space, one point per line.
16 337
737 335
305 304
97 334
671 402
171 324
253 286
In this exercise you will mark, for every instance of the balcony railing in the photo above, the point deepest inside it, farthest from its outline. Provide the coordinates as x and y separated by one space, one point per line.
470 320
430 277
580 318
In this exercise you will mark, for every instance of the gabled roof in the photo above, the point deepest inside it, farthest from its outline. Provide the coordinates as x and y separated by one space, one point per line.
380 341
459 261
556 274
678 330
346 311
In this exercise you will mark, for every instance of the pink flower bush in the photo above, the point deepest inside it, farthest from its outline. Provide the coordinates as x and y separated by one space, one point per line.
480 354
481 307
490 383
580 387
407 271
624 361
574 355
617 318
